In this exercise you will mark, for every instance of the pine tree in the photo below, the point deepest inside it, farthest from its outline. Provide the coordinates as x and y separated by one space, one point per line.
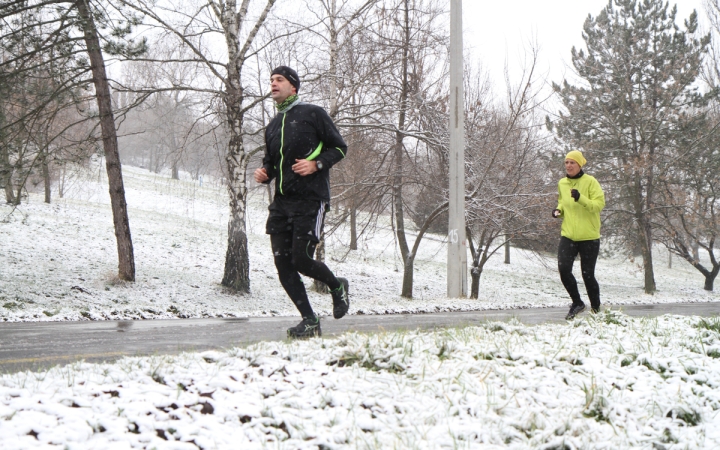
636 103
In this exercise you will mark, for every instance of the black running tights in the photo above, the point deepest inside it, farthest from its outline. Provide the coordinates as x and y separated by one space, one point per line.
588 250
293 257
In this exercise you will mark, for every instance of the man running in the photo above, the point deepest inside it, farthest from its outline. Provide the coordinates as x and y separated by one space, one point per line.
301 145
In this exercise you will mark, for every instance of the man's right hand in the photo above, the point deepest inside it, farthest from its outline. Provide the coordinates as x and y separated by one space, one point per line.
261 175
556 213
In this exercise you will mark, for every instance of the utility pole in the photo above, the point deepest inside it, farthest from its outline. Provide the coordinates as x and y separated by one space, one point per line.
457 250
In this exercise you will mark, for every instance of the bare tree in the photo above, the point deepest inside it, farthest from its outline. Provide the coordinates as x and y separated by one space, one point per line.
506 172
413 82
37 93
195 25
339 28
690 222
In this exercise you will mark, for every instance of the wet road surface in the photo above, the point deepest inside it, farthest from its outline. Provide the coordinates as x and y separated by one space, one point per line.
40 345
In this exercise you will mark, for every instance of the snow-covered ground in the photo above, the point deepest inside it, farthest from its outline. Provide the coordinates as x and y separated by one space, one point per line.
606 381
59 262
603 381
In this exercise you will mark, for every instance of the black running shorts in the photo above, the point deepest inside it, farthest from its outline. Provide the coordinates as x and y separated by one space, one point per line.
304 218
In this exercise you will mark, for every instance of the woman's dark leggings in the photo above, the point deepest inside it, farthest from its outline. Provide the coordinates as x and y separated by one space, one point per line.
294 257
567 251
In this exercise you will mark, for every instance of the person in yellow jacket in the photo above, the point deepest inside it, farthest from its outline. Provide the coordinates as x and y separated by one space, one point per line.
580 200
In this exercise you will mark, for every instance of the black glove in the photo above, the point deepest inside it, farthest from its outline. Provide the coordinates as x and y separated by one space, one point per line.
556 213
575 194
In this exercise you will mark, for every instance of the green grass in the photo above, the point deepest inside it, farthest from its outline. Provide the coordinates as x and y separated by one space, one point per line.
711 323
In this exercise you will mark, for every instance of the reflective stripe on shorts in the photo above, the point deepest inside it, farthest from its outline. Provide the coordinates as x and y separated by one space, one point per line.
319 219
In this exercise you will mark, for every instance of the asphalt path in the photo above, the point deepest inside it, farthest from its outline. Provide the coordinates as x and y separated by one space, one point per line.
40 345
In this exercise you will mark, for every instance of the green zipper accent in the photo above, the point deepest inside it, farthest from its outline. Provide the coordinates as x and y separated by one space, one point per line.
307 248
338 149
282 156
573 185
315 154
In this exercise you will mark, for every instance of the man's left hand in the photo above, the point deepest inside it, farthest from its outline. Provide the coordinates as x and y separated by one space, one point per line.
303 167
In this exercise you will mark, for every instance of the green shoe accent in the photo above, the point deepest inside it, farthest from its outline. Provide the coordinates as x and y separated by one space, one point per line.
341 299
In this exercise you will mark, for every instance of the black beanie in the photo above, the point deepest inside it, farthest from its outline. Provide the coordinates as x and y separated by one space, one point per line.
289 74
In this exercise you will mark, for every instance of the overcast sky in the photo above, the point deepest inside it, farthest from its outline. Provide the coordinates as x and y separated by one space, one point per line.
497 31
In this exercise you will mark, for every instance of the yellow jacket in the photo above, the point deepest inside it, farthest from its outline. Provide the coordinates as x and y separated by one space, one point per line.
581 219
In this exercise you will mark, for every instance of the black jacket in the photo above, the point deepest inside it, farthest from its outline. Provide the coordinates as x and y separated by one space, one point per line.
303 131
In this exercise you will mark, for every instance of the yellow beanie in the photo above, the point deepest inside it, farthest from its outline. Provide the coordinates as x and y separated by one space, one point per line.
576 156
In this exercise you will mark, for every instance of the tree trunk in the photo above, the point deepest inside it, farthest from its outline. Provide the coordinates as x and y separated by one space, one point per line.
61 181
507 250
694 261
9 194
407 286
20 184
6 171
237 262
645 236
46 177
175 158
398 162
237 258
709 281
17 169
332 69
480 256
475 273
710 275
126 258
157 161
353 228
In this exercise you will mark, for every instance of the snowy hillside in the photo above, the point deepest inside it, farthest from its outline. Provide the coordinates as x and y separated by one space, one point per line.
600 381
59 262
